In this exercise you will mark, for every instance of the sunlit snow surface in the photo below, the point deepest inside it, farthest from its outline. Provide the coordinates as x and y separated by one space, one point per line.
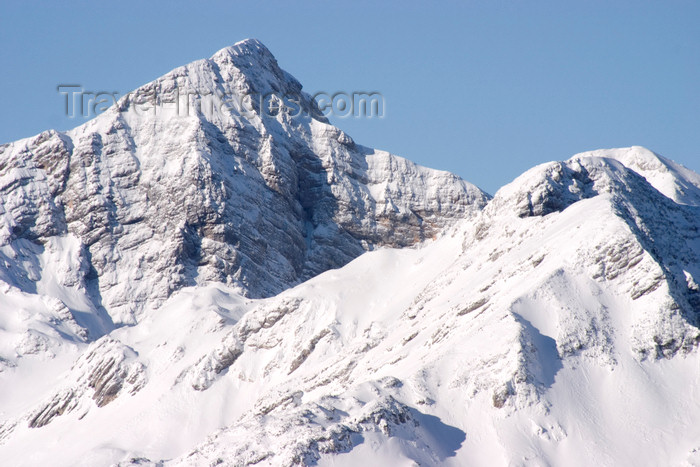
509 340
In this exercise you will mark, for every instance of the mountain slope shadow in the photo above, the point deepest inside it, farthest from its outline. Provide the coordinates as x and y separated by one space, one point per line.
544 361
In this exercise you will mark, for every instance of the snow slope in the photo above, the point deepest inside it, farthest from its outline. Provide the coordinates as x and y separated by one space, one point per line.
550 330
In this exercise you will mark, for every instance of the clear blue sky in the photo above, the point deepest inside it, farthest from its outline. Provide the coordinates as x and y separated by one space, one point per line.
484 89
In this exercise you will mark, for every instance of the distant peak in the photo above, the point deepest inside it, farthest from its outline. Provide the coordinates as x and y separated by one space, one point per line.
246 47
670 178
634 157
251 43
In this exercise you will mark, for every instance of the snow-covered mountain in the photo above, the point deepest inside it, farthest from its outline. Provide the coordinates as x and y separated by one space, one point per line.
154 201
164 300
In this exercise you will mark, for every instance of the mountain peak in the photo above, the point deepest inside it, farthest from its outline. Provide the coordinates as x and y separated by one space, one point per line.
182 193
248 54
236 81
634 171
246 47
668 177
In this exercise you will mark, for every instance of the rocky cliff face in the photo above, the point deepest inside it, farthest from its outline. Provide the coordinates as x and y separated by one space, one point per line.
170 189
